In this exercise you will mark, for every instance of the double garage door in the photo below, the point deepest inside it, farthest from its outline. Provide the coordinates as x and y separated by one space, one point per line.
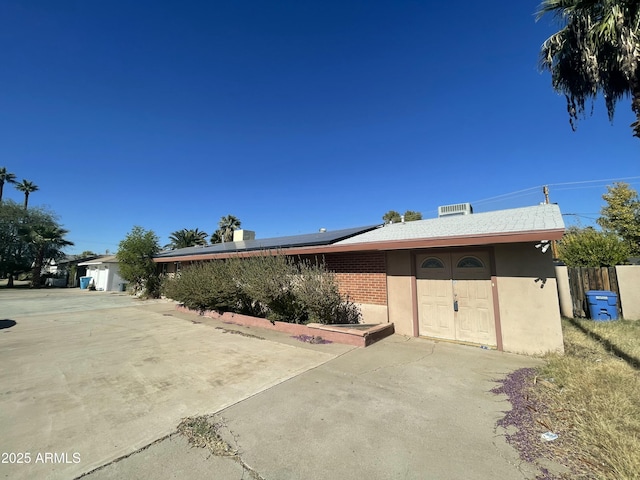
455 297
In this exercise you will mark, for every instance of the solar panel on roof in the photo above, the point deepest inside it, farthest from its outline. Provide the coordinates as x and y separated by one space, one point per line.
304 240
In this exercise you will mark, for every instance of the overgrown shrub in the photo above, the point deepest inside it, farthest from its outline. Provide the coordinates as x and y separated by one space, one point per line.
270 281
318 292
208 286
272 286
592 248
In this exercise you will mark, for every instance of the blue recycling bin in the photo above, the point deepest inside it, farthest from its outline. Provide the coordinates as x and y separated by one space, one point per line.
603 305
84 282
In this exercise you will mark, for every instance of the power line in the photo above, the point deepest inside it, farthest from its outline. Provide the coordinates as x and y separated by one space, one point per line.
530 190
595 181
508 194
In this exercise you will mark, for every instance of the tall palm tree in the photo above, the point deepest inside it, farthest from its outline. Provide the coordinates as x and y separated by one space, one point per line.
227 225
46 242
187 238
27 187
5 177
597 51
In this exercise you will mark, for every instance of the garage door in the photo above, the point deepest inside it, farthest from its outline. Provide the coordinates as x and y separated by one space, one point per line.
455 299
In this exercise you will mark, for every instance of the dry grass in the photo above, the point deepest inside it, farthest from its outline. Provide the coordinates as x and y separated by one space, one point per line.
592 399
622 335
205 432
211 432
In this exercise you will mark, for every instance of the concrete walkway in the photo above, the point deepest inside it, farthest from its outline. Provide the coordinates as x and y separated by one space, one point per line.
115 382
88 377
400 409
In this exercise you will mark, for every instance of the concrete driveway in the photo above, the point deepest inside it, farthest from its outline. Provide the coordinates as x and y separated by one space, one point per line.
105 379
87 377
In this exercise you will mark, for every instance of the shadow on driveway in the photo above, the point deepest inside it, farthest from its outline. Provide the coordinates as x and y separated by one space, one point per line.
6 323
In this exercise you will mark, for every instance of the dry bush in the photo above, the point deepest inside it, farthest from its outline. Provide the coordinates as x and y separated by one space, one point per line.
273 286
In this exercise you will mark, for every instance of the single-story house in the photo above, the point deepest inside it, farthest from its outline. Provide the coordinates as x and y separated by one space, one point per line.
485 278
105 273
67 269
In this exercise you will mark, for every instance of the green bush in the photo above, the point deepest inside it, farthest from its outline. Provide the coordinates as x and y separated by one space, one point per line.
591 248
270 286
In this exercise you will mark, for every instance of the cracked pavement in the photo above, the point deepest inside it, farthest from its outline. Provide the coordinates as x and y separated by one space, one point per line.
400 409
111 378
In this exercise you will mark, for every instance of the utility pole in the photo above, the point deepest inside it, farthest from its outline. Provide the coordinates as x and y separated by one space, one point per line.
554 247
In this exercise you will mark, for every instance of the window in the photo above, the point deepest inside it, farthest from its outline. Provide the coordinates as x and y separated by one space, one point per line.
432 262
470 262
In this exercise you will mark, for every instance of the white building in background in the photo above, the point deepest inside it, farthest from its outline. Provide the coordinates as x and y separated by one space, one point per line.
105 273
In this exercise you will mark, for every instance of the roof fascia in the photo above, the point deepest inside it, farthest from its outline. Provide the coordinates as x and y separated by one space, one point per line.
459 241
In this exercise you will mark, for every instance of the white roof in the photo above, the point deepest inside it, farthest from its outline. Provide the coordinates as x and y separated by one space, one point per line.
500 222
100 260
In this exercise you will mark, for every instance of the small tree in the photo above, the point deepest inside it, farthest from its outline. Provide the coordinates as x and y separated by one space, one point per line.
621 214
591 248
46 242
411 216
135 259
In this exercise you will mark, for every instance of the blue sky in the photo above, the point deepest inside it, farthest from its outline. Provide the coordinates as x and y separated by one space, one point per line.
291 115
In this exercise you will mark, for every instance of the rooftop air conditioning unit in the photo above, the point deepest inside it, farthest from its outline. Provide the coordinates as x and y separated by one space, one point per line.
455 209
242 235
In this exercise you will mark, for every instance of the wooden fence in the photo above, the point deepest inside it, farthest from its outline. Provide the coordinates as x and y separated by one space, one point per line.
583 279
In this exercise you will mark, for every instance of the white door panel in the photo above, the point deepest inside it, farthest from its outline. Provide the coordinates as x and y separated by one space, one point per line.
455 297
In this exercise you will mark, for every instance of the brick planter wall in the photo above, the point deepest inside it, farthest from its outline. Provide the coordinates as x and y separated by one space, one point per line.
344 335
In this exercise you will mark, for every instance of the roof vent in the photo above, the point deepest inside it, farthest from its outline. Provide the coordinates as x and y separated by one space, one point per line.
455 209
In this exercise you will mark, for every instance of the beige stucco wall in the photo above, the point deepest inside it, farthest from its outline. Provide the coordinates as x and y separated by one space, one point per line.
528 299
629 285
564 292
399 301
373 313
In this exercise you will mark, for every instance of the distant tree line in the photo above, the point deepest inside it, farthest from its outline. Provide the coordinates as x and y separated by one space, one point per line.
395 217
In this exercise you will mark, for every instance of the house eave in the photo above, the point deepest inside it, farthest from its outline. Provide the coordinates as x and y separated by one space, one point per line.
409 244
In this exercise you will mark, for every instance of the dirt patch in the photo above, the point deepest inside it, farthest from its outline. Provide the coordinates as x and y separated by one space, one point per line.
238 332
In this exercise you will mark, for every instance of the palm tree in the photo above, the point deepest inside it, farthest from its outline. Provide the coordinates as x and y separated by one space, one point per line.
5 177
226 226
27 187
597 51
216 237
187 238
46 242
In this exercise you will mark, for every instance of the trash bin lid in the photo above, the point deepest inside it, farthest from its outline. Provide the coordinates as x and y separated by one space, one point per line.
607 293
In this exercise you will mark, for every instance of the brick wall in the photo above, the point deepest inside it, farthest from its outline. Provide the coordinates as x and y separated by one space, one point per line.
361 276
